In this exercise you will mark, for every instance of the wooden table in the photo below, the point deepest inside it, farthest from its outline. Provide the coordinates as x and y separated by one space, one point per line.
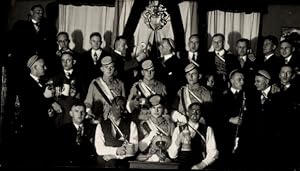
152 165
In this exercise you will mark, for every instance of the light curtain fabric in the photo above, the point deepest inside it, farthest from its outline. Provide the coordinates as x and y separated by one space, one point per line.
81 21
234 26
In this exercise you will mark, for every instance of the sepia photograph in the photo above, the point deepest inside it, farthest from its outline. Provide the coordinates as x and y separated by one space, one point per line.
150 84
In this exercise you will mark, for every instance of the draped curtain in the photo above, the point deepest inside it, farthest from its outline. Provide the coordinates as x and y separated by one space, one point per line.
234 25
81 21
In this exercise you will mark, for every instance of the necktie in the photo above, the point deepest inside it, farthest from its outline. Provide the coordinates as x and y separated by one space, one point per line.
263 98
236 94
286 61
79 135
68 75
242 62
95 58
194 57
37 26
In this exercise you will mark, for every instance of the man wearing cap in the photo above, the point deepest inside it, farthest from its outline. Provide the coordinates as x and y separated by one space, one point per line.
144 88
156 133
170 67
231 111
37 124
261 124
193 144
102 90
190 93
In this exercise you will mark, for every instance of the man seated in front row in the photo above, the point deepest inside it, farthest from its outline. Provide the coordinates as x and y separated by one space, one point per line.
156 132
76 138
193 144
116 139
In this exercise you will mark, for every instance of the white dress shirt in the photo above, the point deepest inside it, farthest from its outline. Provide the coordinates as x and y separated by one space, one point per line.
191 54
211 147
102 149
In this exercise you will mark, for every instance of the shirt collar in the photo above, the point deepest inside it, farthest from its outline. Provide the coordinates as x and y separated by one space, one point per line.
268 56
266 91
243 57
98 51
118 52
288 58
77 126
35 78
168 56
234 90
34 22
220 53
70 71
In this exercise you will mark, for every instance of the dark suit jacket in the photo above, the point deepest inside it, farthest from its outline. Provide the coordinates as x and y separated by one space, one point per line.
88 69
209 62
272 65
171 74
38 127
29 42
69 151
184 57
125 67
261 130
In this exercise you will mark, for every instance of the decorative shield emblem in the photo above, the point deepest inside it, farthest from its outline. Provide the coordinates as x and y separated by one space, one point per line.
156 16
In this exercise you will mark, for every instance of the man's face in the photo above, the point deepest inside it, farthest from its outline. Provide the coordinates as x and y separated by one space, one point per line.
261 83
63 41
268 47
118 109
286 49
164 48
122 47
37 14
108 70
157 110
285 75
218 43
40 67
78 114
148 73
194 113
192 77
210 81
241 48
95 42
237 81
67 62
194 44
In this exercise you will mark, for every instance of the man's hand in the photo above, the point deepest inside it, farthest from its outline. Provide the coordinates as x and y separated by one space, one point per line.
235 120
199 166
49 92
108 157
121 151
141 57
56 107
275 88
